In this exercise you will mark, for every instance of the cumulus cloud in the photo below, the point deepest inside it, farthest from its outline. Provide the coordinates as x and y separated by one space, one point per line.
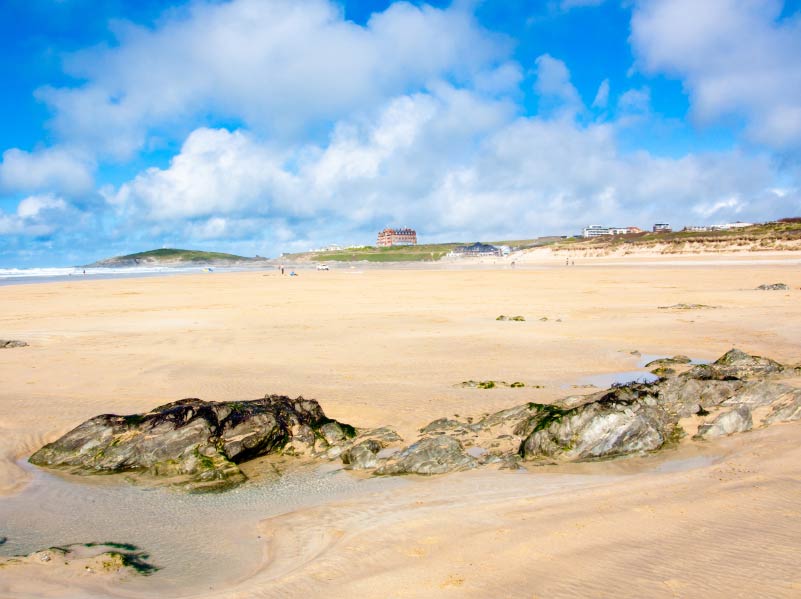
50 169
452 163
735 58
278 66
553 84
217 171
35 216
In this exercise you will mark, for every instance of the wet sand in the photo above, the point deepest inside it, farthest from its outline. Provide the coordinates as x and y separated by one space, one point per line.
389 347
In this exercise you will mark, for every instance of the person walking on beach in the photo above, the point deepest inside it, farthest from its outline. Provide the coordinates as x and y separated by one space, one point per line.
282 269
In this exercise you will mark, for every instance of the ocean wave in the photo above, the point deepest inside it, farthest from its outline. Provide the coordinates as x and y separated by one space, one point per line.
48 272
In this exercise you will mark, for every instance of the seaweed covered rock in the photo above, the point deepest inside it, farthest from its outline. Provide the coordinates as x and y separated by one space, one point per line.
773 287
9 343
626 419
198 440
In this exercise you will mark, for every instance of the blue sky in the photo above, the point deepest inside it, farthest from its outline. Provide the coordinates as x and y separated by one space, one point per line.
262 126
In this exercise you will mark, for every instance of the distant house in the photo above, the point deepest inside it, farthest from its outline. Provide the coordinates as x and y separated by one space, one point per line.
730 226
662 228
477 249
633 230
389 237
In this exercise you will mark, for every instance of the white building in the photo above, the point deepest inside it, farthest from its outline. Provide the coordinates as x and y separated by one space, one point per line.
599 230
595 231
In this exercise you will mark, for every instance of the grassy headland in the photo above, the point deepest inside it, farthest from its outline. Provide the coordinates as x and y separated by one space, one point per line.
172 257
773 236
429 252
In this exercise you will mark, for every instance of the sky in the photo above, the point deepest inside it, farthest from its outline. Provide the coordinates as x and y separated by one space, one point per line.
265 126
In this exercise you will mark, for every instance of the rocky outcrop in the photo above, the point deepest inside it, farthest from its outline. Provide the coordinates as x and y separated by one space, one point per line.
626 419
737 420
199 441
203 443
736 364
431 455
9 343
773 287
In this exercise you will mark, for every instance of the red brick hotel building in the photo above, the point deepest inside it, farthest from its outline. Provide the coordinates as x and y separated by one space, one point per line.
390 237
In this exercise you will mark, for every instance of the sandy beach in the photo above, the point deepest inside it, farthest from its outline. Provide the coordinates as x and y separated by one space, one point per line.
383 346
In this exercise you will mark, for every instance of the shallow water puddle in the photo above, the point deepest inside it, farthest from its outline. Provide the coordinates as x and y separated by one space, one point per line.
196 540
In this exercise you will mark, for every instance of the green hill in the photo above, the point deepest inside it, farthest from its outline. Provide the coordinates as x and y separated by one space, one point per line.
173 257
428 252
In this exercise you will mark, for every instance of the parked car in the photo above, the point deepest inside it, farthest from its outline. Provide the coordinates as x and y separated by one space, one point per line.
322 267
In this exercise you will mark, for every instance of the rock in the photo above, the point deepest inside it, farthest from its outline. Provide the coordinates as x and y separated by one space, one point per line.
3 540
773 287
787 409
332 433
9 343
735 364
758 393
202 442
684 395
737 420
440 424
384 435
431 455
684 306
362 456
679 359
111 558
627 419
511 318
663 372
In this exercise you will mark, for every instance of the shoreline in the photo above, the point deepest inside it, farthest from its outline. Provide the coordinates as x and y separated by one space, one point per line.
531 260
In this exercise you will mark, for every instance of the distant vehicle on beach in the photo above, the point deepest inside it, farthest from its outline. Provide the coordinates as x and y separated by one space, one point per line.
322 267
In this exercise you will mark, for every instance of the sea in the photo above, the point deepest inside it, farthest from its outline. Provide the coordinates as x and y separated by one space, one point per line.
15 276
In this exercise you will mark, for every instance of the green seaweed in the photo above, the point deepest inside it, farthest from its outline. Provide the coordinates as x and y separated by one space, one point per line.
136 561
546 415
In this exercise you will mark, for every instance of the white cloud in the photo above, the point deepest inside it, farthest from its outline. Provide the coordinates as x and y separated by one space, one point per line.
633 107
50 169
736 58
216 172
451 163
35 215
279 66
602 95
554 86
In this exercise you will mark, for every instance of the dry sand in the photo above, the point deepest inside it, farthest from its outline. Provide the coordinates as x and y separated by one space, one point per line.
387 347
